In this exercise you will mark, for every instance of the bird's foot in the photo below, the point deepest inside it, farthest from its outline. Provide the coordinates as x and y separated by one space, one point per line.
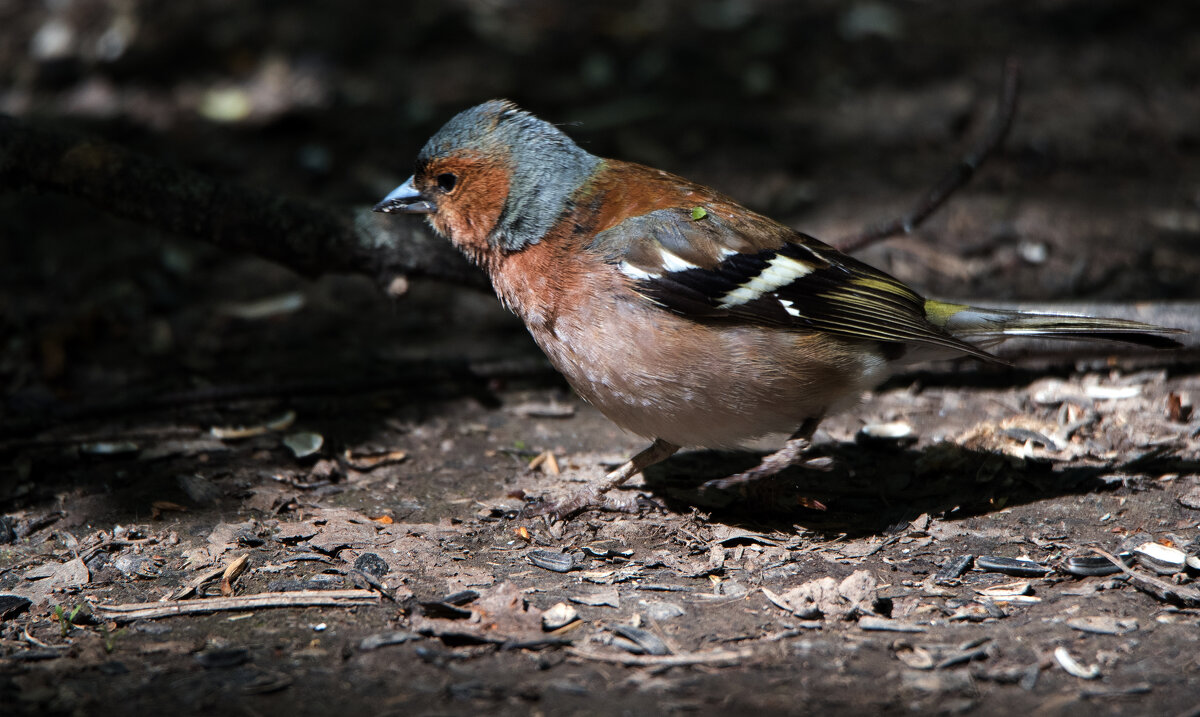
590 498
744 483
596 497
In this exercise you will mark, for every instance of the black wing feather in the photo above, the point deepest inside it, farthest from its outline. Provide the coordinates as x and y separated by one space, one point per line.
830 292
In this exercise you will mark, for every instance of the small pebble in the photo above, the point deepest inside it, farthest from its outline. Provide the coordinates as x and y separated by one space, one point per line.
371 564
662 611
893 433
559 616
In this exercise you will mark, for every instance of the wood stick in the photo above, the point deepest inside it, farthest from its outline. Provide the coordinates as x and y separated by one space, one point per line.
301 598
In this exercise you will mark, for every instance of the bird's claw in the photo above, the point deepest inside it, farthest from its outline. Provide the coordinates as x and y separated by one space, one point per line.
588 499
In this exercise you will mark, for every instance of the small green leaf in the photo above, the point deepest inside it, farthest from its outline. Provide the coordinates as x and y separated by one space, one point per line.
699 213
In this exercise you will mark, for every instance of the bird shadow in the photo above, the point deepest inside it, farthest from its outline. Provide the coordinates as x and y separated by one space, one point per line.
867 490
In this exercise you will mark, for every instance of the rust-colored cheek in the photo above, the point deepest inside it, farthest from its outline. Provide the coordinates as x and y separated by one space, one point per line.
469 214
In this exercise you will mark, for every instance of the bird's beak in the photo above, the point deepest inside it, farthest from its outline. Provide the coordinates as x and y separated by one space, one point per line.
405 199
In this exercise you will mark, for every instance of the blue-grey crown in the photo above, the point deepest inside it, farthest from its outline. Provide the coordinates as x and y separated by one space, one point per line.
546 166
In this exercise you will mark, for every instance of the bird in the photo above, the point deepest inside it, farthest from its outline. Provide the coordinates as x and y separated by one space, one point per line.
683 316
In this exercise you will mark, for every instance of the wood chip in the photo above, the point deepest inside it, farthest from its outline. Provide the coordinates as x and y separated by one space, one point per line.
546 461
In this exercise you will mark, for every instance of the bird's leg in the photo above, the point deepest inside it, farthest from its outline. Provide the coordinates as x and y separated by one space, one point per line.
594 496
792 453
657 452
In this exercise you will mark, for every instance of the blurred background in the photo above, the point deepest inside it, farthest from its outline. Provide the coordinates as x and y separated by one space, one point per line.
827 115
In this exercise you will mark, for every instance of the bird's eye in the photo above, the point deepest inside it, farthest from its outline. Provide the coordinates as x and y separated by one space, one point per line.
446 182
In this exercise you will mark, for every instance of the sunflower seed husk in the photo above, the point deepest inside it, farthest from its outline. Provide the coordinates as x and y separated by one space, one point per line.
1160 558
554 562
1011 566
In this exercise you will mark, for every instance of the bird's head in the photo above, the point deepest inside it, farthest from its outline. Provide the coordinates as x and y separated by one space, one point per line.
493 179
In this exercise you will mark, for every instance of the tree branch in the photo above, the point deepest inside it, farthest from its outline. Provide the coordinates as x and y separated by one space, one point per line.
958 176
304 235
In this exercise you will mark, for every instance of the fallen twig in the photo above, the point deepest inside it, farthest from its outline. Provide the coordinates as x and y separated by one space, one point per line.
1161 589
714 657
195 583
302 598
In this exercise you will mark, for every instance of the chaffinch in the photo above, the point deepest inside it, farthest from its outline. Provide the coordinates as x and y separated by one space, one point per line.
683 316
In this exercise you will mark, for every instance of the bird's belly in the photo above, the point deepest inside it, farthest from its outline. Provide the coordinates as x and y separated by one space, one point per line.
701 385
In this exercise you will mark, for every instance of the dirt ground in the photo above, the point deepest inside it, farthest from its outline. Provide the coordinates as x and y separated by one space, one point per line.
163 401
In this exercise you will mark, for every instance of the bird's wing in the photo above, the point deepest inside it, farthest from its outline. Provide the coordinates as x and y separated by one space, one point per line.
726 264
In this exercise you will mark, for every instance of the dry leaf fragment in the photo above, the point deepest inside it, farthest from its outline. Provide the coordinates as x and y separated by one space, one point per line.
546 461
853 597
232 571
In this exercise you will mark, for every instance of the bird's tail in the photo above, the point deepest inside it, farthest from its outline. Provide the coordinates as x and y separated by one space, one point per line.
986 327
